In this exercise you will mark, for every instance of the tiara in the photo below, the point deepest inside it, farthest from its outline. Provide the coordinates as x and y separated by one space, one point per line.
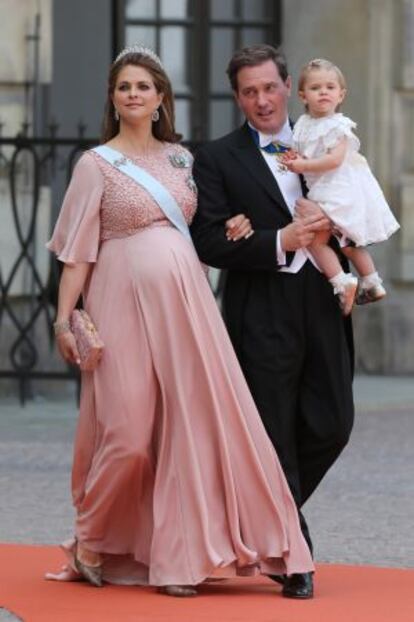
139 49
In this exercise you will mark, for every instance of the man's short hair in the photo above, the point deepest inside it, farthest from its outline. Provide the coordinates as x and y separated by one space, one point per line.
253 56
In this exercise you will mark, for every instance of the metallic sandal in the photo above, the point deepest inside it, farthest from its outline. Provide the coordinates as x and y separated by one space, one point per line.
179 591
93 574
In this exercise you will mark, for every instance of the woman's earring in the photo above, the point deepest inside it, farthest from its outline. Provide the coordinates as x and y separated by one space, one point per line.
155 116
116 115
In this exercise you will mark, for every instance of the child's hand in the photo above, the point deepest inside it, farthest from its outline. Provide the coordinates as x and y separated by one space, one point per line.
292 154
289 155
292 160
296 164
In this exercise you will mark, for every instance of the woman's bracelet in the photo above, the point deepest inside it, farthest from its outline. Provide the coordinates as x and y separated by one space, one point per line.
61 327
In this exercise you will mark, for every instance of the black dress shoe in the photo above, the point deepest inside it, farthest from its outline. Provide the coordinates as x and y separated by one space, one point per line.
298 586
278 578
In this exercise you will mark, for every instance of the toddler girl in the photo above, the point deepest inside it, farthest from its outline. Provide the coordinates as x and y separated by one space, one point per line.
340 180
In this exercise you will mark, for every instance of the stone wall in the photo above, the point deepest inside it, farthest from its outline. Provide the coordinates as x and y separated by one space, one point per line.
373 43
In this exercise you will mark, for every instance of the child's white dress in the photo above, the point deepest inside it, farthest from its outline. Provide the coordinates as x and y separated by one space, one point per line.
349 194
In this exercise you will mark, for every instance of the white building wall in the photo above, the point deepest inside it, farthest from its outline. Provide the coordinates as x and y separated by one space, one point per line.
373 43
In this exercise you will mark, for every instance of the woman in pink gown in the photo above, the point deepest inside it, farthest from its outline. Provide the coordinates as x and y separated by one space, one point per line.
174 479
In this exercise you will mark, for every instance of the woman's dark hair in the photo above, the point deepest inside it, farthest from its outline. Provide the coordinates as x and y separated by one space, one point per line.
164 128
253 56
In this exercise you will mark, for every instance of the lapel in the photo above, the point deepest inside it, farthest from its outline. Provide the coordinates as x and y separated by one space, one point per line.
249 155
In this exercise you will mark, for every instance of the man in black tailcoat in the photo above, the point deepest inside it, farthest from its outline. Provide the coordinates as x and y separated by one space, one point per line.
285 323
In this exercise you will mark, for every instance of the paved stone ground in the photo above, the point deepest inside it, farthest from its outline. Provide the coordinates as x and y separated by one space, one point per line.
364 509
362 513
7 616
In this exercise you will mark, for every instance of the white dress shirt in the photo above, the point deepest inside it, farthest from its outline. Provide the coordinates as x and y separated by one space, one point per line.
291 189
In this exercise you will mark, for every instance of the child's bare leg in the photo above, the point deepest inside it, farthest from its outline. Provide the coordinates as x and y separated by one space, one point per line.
370 285
325 256
360 258
344 285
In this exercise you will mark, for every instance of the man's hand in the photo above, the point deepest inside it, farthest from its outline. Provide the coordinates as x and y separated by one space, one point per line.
298 234
304 208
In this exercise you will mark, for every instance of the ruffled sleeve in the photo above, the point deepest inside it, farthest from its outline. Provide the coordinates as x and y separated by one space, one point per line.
339 127
76 235
313 136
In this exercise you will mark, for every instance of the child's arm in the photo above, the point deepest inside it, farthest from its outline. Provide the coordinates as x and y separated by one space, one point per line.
331 160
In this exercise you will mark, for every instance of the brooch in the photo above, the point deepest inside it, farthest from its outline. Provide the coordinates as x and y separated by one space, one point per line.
279 150
120 162
192 184
180 160
280 165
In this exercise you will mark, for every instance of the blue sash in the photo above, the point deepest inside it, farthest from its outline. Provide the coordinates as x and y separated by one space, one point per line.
159 193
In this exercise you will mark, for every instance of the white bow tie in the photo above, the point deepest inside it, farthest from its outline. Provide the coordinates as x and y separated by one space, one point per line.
268 139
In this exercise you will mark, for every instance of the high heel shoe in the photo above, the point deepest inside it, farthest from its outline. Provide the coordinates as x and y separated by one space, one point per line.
93 574
179 591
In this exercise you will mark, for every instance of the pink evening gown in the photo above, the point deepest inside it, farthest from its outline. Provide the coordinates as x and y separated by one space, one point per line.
174 479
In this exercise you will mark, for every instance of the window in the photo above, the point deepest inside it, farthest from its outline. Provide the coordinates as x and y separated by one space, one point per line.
195 39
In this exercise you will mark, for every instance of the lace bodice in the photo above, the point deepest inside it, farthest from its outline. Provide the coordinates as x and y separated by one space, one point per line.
102 202
126 206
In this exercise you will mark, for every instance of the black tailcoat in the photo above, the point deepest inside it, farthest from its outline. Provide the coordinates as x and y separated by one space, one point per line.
292 343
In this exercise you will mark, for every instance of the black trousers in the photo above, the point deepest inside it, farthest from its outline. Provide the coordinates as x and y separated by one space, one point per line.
296 360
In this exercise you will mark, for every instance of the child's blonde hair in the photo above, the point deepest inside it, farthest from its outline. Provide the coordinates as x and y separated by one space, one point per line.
320 63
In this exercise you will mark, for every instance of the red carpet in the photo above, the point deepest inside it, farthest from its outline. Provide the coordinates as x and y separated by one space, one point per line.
343 594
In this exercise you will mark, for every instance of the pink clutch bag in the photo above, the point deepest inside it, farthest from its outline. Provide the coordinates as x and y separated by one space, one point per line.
88 342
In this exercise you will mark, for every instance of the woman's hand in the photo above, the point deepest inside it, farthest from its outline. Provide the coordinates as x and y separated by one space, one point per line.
71 284
238 227
67 347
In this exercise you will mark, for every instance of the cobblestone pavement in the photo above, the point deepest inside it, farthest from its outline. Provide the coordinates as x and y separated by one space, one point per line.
362 512
7 616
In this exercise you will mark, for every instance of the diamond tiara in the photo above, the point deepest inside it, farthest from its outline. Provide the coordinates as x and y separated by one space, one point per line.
139 49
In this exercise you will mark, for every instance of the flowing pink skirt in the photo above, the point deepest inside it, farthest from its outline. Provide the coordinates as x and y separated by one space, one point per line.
174 477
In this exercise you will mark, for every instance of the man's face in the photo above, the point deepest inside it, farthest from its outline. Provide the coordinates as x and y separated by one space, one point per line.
263 96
